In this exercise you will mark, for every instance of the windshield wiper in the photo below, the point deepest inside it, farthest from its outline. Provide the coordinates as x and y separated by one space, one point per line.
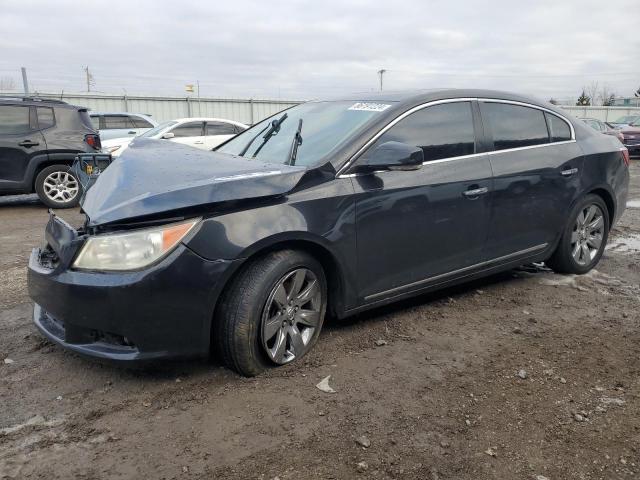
297 141
275 128
246 147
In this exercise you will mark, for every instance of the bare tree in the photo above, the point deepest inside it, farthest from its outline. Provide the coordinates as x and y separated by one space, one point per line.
592 91
7 83
606 96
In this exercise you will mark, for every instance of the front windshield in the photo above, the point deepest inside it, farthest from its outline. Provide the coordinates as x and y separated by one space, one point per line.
159 129
324 126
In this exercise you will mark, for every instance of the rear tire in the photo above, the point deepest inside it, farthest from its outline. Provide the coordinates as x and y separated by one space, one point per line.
58 187
272 312
583 239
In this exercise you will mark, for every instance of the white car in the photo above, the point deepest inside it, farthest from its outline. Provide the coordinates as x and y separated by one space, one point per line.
116 125
203 133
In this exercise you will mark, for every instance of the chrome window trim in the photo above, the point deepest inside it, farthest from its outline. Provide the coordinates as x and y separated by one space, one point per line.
384 129
530 105
529 147
441 276
361 150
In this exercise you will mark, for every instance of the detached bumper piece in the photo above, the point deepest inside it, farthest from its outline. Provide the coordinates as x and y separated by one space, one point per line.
85 341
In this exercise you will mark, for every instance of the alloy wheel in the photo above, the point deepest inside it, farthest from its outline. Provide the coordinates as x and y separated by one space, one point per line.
60 187
587 235
291 316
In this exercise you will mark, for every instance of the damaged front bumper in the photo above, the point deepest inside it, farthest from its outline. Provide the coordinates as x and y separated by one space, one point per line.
159 312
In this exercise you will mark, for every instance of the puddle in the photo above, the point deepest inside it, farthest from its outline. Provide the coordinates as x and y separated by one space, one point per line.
629 243
633 204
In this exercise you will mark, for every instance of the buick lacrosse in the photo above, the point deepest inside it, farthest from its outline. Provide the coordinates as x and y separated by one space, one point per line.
326 209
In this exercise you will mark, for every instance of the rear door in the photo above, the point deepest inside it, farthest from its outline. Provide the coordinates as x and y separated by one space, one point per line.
416 228
190 133
536 165
217 133
20 142
117 126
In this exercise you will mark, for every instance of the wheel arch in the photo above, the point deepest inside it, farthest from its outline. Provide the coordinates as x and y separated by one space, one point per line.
609 200
48 162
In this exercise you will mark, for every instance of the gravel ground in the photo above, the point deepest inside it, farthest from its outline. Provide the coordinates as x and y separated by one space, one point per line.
525 375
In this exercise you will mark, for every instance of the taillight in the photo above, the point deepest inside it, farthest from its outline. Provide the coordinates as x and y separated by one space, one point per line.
625 156
93 141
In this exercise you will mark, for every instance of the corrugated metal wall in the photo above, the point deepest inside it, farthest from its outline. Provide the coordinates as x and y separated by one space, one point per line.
167 108
606 114
247 111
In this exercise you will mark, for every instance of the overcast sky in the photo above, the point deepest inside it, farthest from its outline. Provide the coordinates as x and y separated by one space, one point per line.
300 50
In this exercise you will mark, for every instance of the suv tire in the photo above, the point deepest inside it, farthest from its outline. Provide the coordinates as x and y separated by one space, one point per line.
58 187
271 313
584 237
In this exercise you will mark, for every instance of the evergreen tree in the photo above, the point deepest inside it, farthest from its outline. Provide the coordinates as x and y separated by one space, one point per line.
583 100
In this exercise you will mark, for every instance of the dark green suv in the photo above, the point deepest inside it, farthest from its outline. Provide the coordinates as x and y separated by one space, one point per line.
39 140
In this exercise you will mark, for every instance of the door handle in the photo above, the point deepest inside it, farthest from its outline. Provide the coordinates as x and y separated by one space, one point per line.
569 172
28 144
198 143
476 192
132 132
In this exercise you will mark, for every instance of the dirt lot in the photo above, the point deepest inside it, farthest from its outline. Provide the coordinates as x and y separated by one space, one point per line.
442 399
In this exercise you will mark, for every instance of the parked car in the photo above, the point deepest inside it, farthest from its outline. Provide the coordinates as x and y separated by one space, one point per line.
39 140
624 121
117 125
602 127
631 138
331 207
203 133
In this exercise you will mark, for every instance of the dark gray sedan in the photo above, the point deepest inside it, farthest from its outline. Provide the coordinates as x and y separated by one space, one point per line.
329 208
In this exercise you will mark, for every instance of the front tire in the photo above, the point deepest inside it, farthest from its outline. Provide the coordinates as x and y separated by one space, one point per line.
584 238
272 312
58 187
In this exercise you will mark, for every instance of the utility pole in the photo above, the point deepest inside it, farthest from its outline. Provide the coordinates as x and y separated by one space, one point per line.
89 78
25 83
381 72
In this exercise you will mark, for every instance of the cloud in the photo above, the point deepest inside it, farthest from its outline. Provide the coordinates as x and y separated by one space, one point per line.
300 49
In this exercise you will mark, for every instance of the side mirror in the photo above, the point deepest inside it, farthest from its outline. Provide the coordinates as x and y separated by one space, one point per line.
168 135
394 156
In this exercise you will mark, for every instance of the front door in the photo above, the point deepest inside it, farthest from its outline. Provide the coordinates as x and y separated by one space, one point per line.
190 133
415 228
20 140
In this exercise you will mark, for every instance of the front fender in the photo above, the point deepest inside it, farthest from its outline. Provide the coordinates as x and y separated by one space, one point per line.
323 216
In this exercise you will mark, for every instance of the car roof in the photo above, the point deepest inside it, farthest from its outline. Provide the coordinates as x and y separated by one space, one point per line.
402 100
38 101
144 115
207 119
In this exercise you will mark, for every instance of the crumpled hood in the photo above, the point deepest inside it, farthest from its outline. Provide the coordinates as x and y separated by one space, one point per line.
155 176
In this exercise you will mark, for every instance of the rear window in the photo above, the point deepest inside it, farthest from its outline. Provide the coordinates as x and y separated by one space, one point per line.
46 119
139 122
515 126
14 119
559 130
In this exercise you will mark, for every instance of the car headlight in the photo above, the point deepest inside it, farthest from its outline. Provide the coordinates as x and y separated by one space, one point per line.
131 250
112 149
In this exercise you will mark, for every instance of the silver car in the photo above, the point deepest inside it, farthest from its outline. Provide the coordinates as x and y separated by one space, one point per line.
117 125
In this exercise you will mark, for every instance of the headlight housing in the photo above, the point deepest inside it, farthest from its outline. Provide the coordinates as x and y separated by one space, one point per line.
131 250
